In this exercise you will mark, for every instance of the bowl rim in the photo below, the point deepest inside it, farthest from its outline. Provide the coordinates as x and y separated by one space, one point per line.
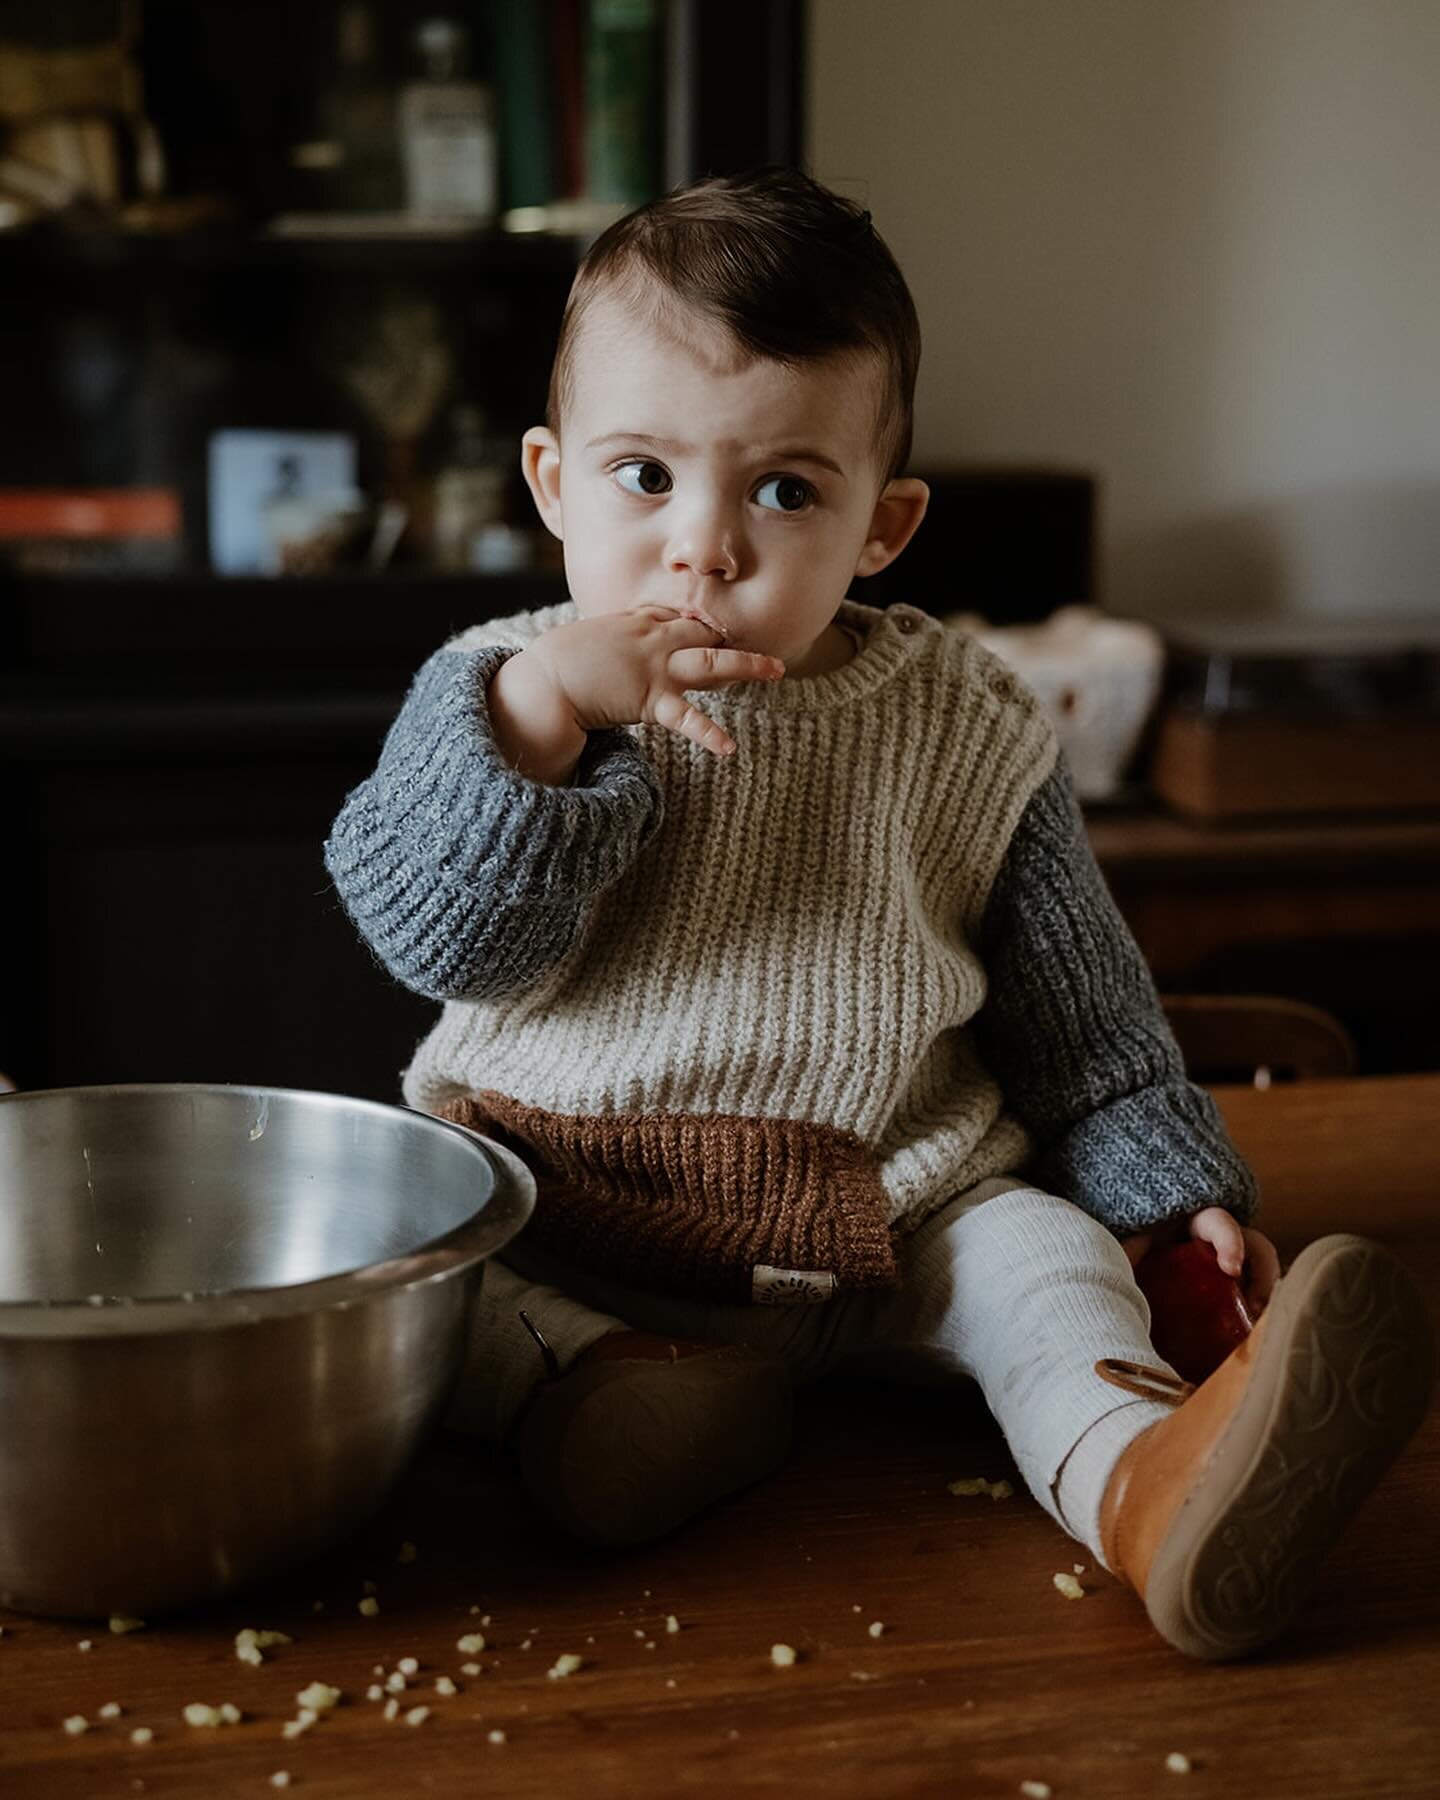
437 1259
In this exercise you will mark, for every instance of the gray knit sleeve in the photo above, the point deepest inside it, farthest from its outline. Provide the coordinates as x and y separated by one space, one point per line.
1073 1030
467 879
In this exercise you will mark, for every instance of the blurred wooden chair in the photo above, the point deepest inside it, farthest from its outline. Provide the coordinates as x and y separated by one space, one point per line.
1257 1038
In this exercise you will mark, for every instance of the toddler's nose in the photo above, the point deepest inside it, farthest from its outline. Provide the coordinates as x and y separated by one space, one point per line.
703 545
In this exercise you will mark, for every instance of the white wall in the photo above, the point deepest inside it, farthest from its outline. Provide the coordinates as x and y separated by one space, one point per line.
1191 245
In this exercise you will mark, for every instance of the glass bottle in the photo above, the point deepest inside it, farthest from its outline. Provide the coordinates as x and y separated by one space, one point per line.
447 130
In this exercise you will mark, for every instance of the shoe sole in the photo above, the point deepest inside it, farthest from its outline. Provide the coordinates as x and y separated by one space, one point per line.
1342 1379
631 1450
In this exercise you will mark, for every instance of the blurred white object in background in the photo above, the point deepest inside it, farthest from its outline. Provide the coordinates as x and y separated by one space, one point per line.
1097 677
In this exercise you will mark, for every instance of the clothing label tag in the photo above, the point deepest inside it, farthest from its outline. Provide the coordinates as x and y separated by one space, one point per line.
790 1287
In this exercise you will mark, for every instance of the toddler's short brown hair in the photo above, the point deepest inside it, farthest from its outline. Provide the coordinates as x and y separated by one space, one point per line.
792 270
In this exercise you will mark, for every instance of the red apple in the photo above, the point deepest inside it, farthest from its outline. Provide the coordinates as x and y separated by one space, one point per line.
1197 1312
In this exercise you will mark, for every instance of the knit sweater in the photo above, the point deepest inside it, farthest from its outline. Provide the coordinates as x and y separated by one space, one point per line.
751 1020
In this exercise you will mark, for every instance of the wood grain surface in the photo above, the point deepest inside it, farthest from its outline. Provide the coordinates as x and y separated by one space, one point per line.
984 1677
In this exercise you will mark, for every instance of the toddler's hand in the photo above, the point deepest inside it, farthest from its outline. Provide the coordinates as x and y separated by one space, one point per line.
624 668
1237 1248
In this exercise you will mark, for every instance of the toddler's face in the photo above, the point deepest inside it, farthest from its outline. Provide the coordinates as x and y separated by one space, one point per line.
744 492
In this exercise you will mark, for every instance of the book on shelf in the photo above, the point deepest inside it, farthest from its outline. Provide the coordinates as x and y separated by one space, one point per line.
622 100
62 531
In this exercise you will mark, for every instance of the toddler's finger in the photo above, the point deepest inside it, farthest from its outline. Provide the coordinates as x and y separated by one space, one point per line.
676 714
1216 1227
712 668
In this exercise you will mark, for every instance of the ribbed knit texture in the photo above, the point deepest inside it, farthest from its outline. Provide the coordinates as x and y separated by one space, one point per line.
424 853
1081 1046
807 931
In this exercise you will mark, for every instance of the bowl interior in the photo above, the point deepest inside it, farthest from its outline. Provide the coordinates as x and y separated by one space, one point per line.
148 1191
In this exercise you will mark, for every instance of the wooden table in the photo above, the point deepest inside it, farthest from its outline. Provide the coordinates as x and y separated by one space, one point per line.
983 1676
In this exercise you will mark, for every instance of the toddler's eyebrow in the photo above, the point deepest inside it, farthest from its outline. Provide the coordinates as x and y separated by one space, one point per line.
673 447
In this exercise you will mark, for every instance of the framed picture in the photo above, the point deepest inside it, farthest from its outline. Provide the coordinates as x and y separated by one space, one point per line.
252 472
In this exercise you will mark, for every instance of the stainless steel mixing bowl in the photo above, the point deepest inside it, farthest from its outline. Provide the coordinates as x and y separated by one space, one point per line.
228 1317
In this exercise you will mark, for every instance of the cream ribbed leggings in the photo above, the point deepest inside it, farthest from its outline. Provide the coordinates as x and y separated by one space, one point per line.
1005 1286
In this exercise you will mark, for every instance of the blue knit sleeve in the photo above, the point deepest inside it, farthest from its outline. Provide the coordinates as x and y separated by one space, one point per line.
1073 1030
467 879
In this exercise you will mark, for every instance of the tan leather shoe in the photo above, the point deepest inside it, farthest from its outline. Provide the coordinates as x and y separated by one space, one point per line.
642 1432
1219 1515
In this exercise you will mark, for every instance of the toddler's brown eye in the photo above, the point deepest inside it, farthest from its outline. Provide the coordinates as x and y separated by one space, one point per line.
791 493
650 478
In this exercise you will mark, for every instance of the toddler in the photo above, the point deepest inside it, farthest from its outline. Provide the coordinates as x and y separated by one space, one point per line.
769 935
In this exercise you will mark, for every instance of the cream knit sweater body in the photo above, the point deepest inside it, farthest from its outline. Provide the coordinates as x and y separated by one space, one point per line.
731 1009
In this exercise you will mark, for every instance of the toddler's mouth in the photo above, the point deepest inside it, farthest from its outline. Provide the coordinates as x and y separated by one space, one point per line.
693 612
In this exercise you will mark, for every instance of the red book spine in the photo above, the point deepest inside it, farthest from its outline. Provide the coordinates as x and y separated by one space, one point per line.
89 513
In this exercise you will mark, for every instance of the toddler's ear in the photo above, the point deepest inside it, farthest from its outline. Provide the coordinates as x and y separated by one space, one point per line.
540 465
898 512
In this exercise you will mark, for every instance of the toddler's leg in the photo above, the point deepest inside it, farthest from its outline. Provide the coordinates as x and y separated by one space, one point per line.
630 1432
503 1364
1025 1293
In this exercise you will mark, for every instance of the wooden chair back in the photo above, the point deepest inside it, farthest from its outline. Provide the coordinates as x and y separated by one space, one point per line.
1257 1038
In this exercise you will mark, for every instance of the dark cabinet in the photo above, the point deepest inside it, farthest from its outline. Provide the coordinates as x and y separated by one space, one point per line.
173 747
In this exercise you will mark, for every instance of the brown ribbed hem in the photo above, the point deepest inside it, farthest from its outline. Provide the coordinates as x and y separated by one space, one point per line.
693 1204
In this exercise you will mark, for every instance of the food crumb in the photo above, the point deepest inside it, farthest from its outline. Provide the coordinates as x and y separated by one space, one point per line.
670 1682
112 1709
474 1610
650 1643
408 1665
471 1644
119 1624
396 1683
861 1675
1069 1587
318 1697
374 1691
85 1644
408 1553
392 1709
565 1665
202 1716
369 1606
977 1484
1035 1790
1178 1763
230 1714
525 1643
1079 1568
249 1644
857 1607
300 1724
672 1624
142 1734
280 1779
75 1724
444 1685
417 1715
474 1668
496 1737
782 1655
877 1629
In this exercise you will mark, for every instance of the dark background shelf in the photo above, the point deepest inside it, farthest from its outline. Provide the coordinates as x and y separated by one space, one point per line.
173 750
